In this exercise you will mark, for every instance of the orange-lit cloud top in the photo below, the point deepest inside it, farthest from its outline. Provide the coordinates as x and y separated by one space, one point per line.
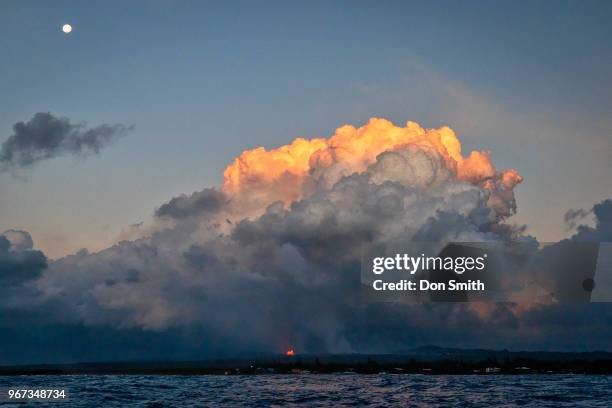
280 174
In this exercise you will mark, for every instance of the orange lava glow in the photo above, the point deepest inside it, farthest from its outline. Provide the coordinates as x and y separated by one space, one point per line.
281 174
290 352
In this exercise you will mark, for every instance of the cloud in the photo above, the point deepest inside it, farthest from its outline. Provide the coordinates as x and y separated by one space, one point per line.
45 137
206 201
259 177
18 262
272 259
602 230
572 217
19 240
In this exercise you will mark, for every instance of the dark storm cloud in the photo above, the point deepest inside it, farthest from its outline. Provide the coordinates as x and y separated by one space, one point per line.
18 262
206 201
602 231
46 136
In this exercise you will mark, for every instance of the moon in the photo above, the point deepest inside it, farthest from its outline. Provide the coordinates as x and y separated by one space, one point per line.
66 28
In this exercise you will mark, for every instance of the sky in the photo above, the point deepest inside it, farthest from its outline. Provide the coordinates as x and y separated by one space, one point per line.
202 81
120 228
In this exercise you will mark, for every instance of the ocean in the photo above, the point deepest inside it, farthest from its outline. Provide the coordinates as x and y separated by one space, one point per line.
534 390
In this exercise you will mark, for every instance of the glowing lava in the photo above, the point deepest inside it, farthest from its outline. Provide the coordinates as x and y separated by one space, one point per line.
290 352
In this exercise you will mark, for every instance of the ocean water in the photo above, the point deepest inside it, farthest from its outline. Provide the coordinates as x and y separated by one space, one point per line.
322 390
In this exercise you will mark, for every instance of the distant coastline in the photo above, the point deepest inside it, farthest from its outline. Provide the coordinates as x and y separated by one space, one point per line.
424 360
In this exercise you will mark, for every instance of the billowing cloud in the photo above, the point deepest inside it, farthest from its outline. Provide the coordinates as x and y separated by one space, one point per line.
259 177
46 136
272 258
268 254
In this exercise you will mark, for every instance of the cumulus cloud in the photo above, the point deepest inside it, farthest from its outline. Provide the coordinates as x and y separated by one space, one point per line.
46 136
264 261
259 177
272 259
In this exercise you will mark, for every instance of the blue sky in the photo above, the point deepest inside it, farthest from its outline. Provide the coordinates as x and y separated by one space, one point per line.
202 81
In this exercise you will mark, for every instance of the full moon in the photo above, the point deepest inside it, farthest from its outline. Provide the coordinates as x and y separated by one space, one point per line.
66 28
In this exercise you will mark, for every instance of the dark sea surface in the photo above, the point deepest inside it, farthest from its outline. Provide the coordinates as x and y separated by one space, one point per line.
322 390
